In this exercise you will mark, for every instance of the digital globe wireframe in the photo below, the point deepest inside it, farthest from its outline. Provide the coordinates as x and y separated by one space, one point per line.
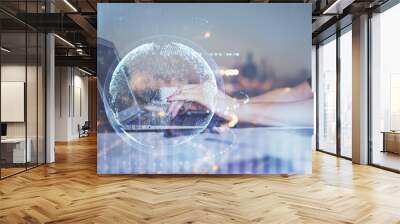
137 91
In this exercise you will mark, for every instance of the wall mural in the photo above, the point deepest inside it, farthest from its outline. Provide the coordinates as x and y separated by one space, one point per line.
204 88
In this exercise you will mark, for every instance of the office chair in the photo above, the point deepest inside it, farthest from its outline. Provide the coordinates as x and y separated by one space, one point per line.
84 130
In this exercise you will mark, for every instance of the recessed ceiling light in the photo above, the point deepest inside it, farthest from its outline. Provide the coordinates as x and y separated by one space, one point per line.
5 50
70 5
84 71
337 7
64 40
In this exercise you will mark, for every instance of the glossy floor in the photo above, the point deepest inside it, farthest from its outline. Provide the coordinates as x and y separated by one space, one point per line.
70 191
5 172
387 159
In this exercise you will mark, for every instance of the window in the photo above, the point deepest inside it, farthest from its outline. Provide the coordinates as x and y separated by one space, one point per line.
346 92
327 95
385 89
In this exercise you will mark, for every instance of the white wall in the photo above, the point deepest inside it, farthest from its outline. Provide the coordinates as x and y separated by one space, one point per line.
9 73
71 94
81 83
61 103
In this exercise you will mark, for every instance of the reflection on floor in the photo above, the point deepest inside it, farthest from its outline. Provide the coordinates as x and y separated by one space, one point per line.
70 191
387 159
10 169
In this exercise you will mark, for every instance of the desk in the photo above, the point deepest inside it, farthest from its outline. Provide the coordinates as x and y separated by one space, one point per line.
16 147
391 141
240 150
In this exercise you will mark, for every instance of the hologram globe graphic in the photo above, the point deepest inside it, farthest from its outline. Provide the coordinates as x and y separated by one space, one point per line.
136 92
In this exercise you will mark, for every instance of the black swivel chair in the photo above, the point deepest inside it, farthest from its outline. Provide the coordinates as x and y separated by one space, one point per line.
84 130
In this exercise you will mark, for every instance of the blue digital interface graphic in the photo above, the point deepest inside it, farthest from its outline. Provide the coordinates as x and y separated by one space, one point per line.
204 89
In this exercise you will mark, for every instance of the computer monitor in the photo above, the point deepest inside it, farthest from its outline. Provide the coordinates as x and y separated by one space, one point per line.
3 129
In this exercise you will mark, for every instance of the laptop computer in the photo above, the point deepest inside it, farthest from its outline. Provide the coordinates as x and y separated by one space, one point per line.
149 122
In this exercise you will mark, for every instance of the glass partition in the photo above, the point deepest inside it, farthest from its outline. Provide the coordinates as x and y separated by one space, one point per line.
22 88
334 92
13 94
